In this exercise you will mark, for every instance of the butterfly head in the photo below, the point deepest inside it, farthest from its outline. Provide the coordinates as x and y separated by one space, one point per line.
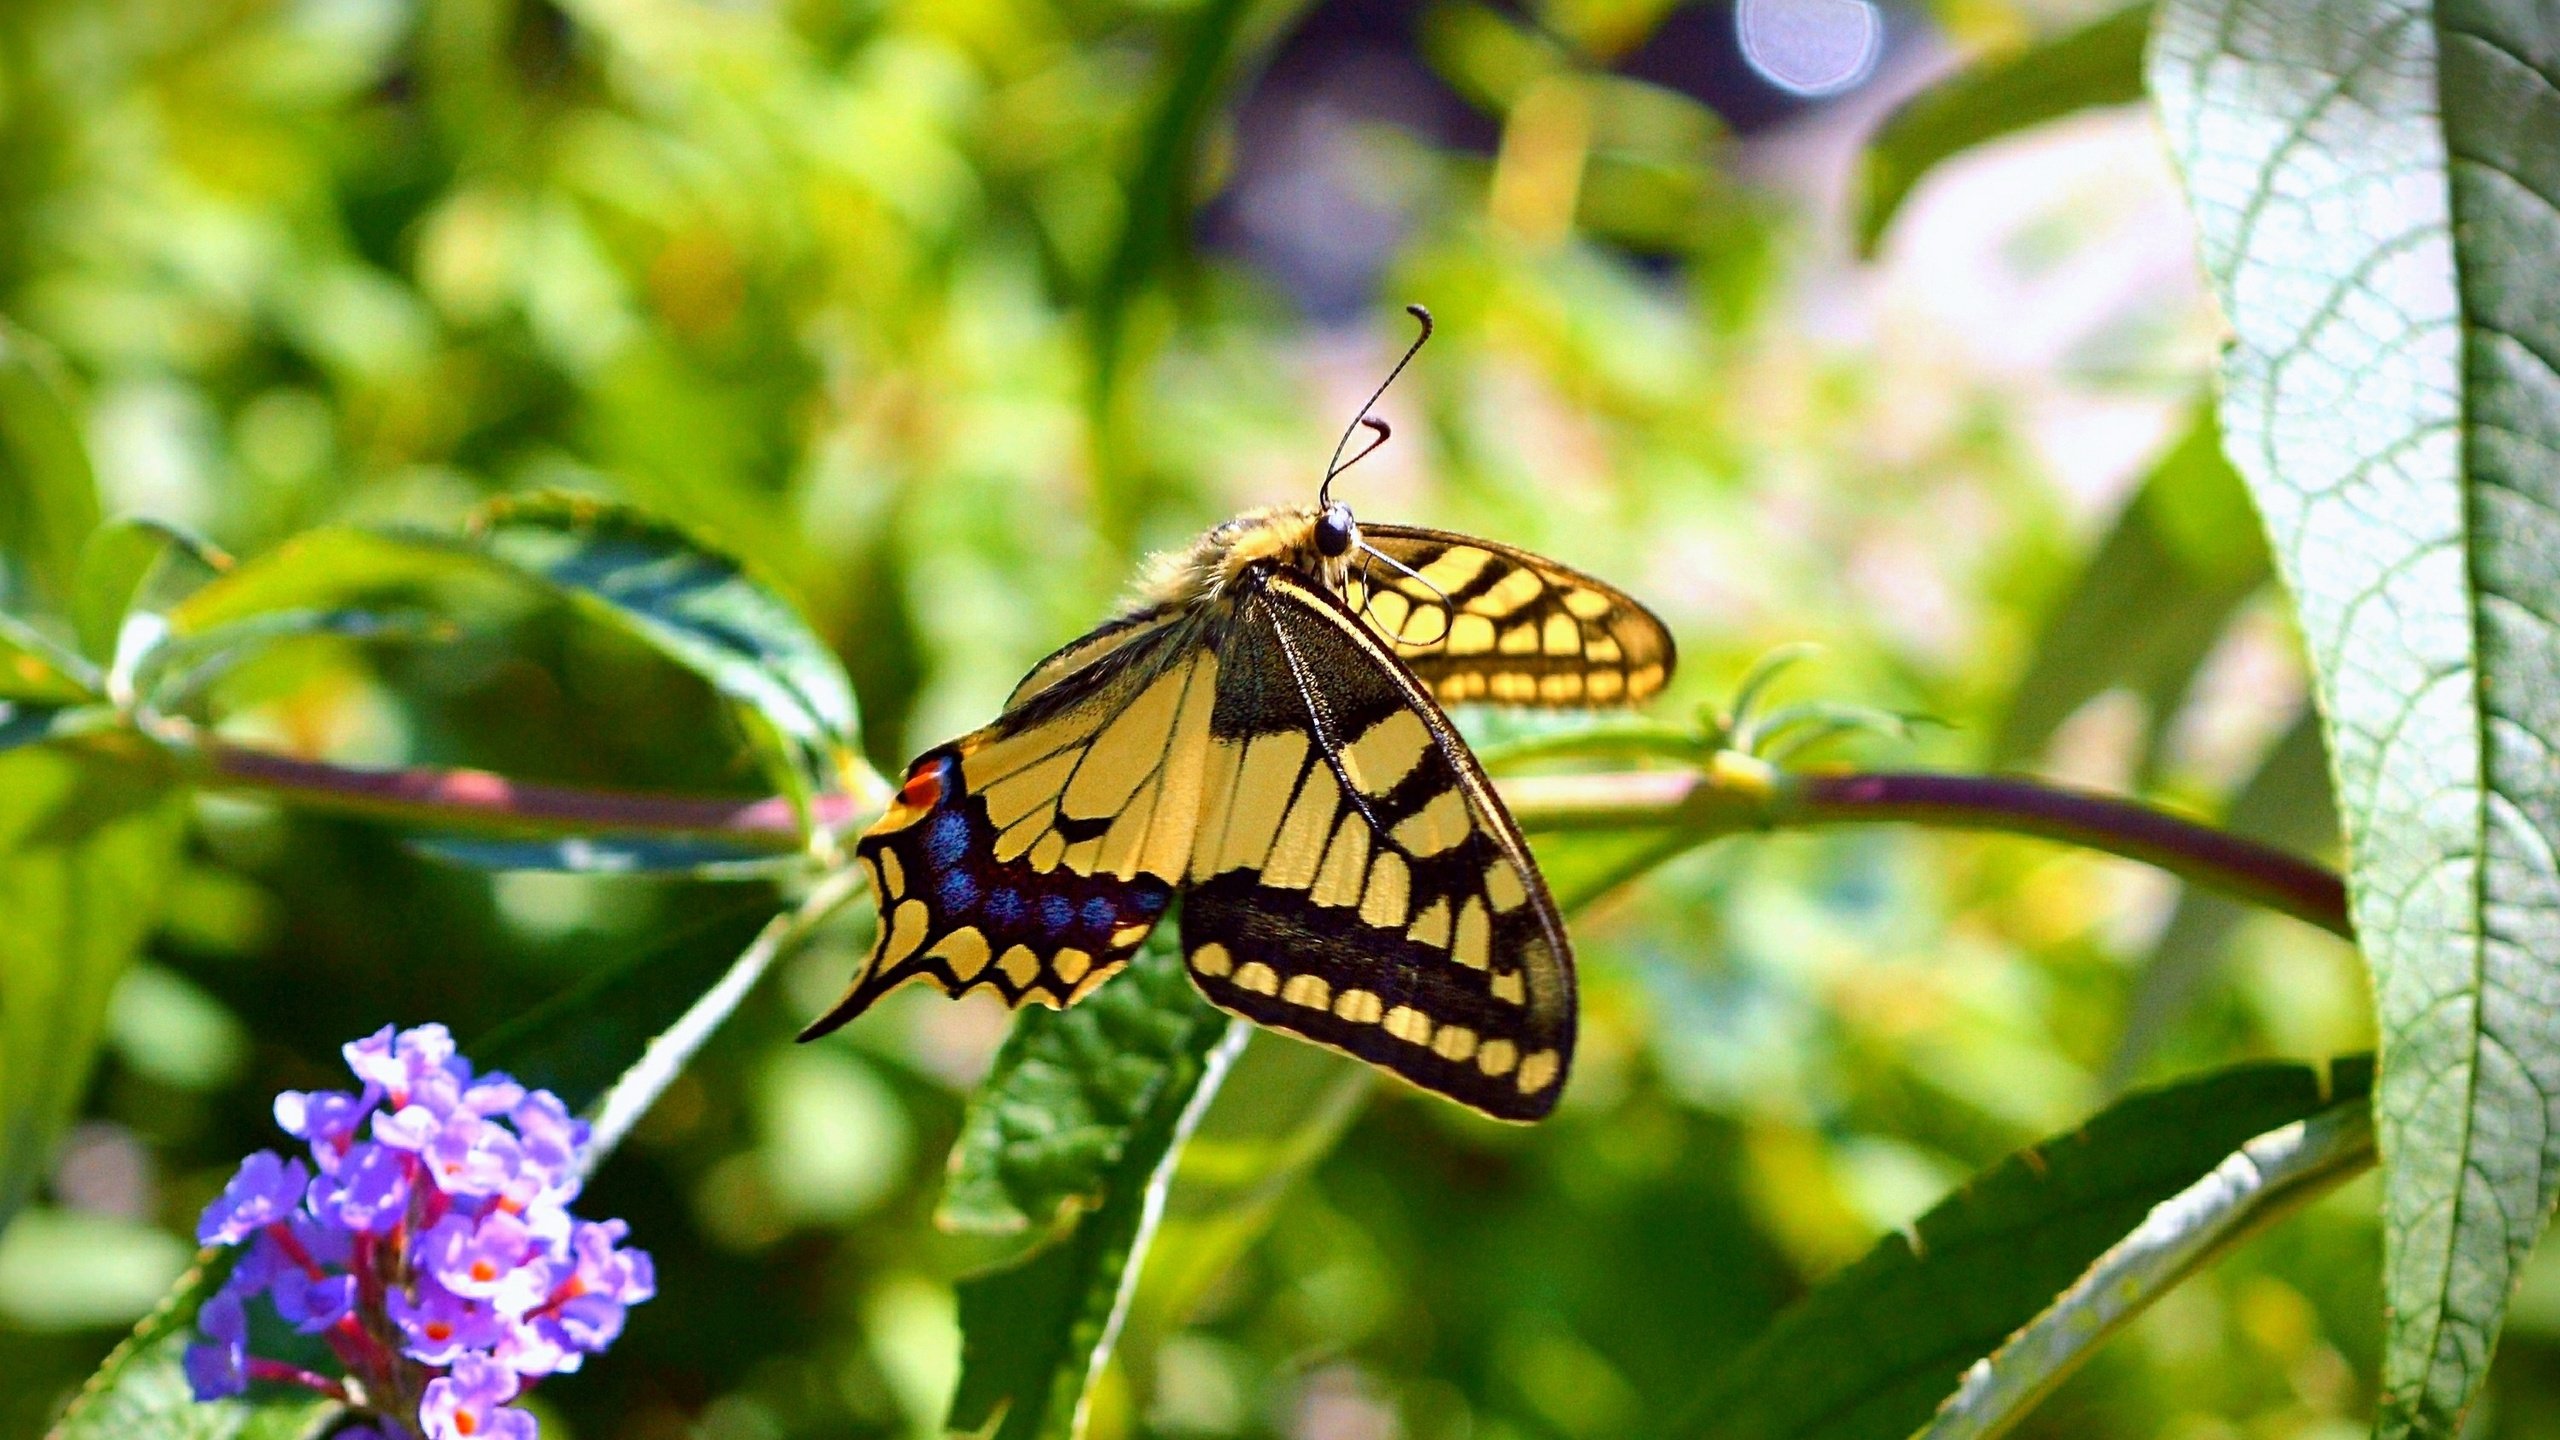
1336 532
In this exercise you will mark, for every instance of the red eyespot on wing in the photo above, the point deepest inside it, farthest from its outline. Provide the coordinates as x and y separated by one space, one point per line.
923 789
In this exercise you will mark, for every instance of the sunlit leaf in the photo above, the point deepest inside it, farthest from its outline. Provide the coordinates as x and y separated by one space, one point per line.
1872 1352
48 498
2377 200
87 848
332 571
34 670
2100 63
132 572
700 608
2151 602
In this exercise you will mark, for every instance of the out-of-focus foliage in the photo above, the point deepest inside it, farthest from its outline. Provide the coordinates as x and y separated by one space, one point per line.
908 304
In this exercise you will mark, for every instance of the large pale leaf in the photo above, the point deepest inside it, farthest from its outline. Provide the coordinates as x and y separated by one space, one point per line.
1875 1349
2375 186
87 848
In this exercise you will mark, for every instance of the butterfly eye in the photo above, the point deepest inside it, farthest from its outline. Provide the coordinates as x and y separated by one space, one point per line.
1334 531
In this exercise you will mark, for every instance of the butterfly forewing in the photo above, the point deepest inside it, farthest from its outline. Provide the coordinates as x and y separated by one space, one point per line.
1357 882
1477 621
1033 856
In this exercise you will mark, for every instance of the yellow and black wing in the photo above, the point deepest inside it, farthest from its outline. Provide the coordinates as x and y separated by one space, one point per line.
1480 621
1355 881
1034 855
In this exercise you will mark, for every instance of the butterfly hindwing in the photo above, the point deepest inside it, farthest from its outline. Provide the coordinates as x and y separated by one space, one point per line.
1479 621
1355 881
1034 855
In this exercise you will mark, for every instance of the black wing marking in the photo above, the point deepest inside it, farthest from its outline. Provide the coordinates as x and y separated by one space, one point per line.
1479 621
1034 855
1358 883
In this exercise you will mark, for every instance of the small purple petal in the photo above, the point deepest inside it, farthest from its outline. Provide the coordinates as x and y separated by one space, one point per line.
493 1260
312 1305
220 1368
591 1322
224 1318
372 1061
493 1094
439 1326
412 1127
370 1192
215 1372
473 1157
465 1404
537 1348
266 1189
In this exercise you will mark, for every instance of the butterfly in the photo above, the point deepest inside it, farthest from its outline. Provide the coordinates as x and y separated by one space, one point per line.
1262 736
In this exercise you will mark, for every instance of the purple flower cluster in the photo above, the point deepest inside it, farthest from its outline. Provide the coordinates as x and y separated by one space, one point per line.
427 1241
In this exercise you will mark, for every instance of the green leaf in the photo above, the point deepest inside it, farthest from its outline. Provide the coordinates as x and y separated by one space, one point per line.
1035 1332
1055 1115
2098 64
140 1393
578 1043
1280 1112
2151 602
48 497
87 849
2267 1178
1874 1350
27 724
131 573
2378 203
34 670
337 570
2285 802
612 855
700 608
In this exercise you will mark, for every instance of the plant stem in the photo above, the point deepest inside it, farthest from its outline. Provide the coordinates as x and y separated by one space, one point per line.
1735 795
1731 794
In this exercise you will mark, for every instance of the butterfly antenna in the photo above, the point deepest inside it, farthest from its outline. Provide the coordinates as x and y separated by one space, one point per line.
1336 465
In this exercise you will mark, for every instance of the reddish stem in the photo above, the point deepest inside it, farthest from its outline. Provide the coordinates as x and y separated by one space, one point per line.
278 1372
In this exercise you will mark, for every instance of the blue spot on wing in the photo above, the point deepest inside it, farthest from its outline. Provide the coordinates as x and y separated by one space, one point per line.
957 891
947 839
1150 902
1056 912
1006 908
1100 913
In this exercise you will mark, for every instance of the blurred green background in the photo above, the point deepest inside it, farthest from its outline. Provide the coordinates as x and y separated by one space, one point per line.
944 312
